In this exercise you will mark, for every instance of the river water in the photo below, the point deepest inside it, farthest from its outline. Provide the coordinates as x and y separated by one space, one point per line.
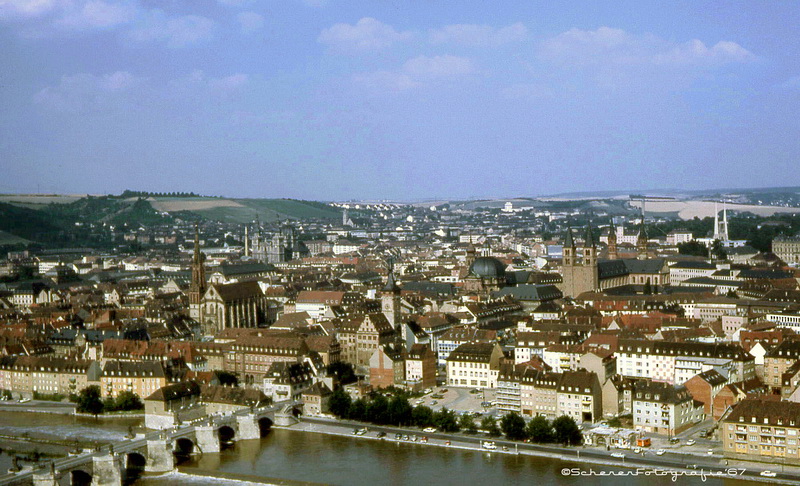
345 460
298 456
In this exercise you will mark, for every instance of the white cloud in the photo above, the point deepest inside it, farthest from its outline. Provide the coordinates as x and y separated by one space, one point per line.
29 8
478 35
696 52
367 34
99 14
386 81
527 92
86 92
175 32
416 72
609 46
228 83
250 22
438 66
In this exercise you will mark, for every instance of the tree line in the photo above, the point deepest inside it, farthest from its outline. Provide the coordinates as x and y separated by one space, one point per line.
397 411
90 400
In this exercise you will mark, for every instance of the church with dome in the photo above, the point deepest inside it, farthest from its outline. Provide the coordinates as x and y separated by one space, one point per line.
485 275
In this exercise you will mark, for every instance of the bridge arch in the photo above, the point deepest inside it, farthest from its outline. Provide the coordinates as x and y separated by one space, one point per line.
79 477
264 426
135 463
226 435
184 447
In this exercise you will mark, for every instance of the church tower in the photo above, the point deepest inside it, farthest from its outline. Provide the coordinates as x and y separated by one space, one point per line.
198 286
579 276
612 242
390 302
247 240
641 243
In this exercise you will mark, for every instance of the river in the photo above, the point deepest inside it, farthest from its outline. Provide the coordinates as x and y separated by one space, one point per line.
298 456
327 459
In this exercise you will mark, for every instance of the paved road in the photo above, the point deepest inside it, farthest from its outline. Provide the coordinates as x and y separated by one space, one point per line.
693 464
39 406
125 446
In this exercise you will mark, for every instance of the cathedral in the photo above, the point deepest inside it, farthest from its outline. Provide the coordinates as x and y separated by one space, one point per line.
587 273
282 246
220 306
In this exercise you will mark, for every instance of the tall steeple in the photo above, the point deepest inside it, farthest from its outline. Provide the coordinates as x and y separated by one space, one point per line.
612 241
589 247
247 240
198 286
569 249
641 242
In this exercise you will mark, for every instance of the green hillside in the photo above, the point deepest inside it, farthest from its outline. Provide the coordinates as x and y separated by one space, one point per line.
267 210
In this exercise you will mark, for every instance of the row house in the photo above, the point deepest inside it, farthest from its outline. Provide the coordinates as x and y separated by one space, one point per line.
762 430
777 361
705 387
457 336
662 408
533 343
26 376
143 378
474 365
579 396
361 336
538 392
251 356
676 362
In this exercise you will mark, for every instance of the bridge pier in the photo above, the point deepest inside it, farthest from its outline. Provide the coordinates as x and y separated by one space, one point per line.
248 427
106 471
159 456
285 419
207 439
45 478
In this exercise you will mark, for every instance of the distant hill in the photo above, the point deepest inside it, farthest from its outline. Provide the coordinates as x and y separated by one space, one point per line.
245 210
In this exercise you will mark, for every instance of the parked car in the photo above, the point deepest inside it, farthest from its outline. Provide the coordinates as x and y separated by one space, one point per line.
674 440
398 436
488 445
660 452
381 435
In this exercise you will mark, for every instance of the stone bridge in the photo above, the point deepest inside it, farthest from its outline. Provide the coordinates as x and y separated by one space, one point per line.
156 452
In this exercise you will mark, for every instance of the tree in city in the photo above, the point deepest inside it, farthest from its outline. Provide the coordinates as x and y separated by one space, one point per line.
89 400
489 425
339 403
566 431
719 251
467 423
539 430
378 410
399 410
422 416
693 248
127 400
358 409
445 420
343 372
226 378
513 426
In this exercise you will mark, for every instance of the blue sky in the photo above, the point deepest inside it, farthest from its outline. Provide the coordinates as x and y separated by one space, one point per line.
340 99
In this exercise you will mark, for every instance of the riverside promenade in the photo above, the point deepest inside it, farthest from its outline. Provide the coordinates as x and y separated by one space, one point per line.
591 460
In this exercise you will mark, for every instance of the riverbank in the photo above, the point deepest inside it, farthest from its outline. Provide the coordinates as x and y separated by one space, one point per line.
244 478
687 465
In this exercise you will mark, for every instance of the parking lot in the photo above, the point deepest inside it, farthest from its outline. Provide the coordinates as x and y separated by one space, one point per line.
459 400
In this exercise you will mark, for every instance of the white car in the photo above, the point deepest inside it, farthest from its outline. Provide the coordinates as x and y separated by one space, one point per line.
768 474
660 452
488 445
691 442
618 455
429 430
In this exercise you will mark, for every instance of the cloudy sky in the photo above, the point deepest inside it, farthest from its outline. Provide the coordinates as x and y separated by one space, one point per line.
340 99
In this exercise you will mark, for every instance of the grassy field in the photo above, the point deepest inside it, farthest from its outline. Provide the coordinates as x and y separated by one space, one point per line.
9 239
704 209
